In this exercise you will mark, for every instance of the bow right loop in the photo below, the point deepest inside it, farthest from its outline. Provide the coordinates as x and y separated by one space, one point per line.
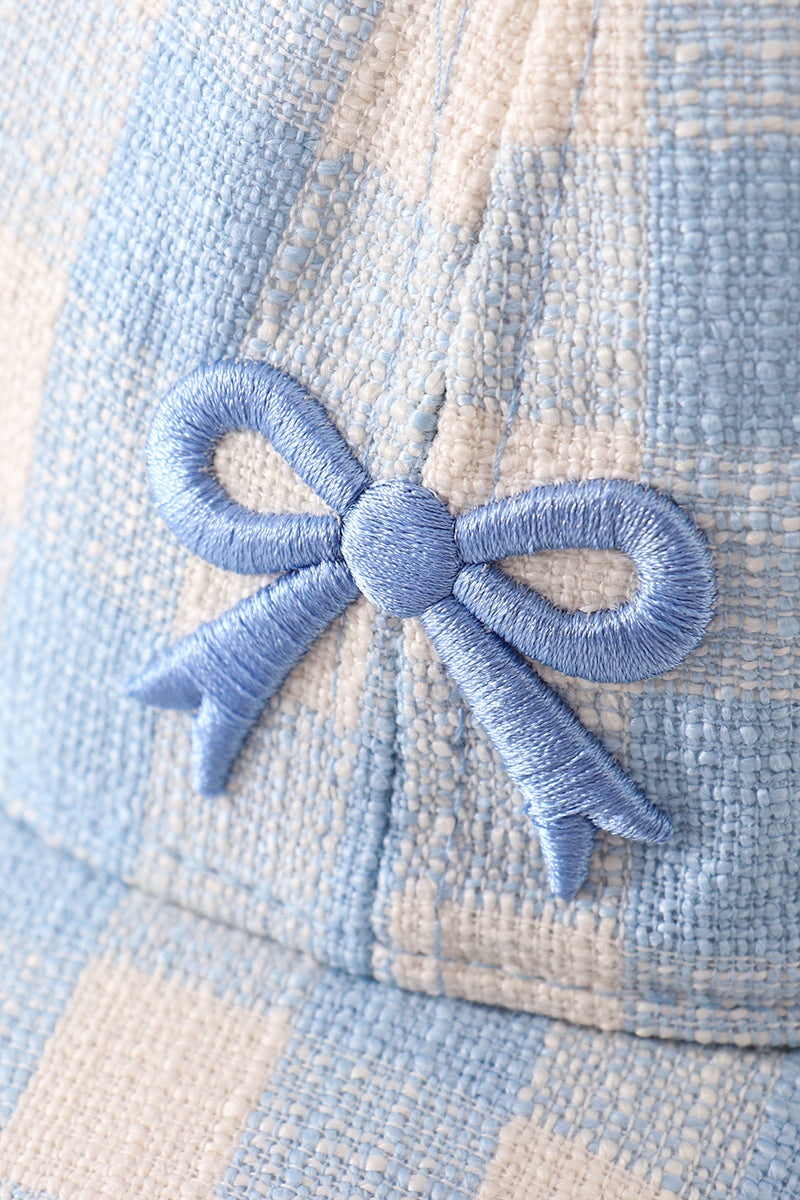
649 634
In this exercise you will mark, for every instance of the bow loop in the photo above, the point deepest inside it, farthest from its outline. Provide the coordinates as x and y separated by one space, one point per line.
649 634
190 423
398 544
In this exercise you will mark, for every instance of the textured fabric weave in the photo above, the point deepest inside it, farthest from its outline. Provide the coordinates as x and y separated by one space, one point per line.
151 1053
399 206
504 242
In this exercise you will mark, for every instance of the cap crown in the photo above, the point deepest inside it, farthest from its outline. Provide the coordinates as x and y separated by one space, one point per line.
538 254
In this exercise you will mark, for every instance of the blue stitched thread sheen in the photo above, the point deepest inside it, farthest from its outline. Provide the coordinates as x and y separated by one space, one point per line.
398 544
651 633
570 783
231 667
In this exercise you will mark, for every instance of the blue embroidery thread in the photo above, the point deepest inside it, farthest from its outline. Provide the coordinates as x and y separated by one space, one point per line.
399 545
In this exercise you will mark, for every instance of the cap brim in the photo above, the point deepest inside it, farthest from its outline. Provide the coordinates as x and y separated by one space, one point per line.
146 1052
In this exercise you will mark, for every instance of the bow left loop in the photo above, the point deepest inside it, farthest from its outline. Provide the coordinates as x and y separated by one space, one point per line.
187 428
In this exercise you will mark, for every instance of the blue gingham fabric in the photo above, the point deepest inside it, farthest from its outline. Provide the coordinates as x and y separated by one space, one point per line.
151 1052
504 243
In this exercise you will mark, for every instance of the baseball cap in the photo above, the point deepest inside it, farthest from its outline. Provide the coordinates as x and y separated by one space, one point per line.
399 602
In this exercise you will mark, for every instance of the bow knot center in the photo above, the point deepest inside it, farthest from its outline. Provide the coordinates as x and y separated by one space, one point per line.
398 539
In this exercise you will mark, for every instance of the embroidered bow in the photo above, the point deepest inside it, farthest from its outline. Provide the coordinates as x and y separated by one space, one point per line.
398 544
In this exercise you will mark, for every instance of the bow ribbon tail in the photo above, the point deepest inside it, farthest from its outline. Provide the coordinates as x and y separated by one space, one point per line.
569 781
229 668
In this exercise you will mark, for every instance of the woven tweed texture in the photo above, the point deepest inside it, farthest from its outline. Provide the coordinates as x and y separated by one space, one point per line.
504 243
150 1054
